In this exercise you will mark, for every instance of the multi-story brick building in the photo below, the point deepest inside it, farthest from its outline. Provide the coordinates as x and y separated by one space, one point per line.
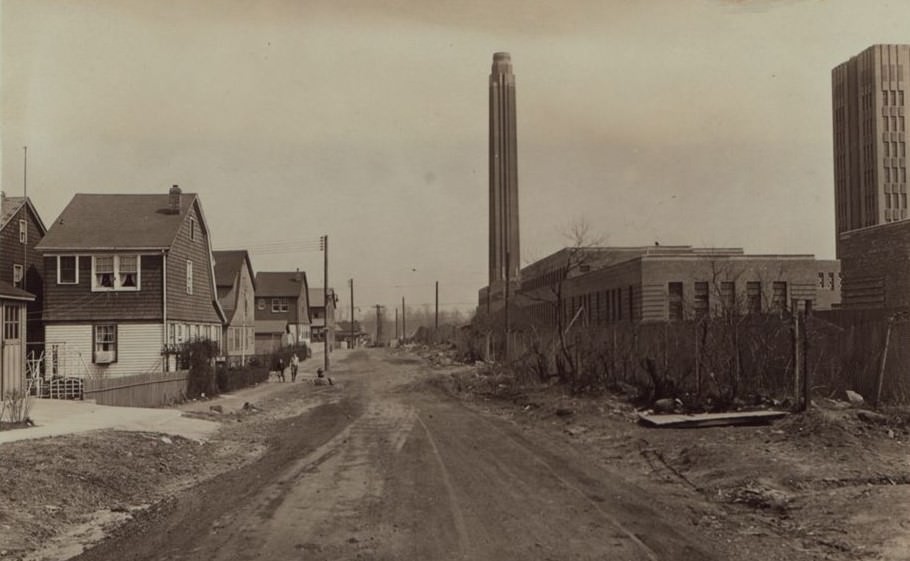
870 167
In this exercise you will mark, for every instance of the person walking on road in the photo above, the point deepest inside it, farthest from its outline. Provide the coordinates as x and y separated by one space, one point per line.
281 369
295 364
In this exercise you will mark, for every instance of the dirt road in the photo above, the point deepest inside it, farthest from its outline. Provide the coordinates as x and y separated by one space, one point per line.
390 468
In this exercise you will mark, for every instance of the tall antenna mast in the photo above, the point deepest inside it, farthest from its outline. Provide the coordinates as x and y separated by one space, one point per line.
25 173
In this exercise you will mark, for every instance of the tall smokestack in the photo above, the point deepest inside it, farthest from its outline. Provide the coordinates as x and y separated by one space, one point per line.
504 248
174 199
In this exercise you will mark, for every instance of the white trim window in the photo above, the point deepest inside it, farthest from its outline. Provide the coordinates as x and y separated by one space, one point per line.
189 277
193 228
116 272
279 305
23 231
105 343
18 274
67 269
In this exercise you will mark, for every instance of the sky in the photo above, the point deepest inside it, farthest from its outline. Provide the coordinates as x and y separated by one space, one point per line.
702 122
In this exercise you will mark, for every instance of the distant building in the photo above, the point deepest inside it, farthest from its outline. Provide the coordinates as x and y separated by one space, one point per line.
282 310
870 169
322 315
603 285
234 278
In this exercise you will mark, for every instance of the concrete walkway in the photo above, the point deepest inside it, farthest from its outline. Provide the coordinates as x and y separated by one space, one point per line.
55 417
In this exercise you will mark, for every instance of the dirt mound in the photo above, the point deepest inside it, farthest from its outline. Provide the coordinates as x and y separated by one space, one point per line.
52 482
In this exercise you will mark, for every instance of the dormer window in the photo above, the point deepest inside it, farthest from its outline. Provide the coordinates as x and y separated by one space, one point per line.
115 272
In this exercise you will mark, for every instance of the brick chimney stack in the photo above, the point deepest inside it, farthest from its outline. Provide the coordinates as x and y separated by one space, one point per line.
174 199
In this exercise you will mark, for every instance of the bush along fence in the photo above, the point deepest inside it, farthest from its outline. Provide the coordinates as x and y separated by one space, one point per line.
717 362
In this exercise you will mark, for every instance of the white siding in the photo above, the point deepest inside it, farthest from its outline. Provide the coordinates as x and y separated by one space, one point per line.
138 350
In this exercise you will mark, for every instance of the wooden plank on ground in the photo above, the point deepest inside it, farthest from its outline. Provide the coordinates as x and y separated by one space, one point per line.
698 420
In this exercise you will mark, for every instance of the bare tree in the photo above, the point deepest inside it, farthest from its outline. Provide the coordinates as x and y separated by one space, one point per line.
574 259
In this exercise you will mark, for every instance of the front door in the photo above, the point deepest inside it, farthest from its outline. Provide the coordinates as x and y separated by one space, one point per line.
11 337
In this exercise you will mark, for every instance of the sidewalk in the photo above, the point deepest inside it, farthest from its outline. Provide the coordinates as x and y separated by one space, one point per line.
55 417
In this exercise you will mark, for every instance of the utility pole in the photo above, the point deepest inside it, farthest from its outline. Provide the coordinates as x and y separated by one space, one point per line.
351 284
378 324
325 299
396 323
436 324
25 196
404 321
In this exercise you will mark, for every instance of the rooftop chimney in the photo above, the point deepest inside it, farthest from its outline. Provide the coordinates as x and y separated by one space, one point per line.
298 277
174 199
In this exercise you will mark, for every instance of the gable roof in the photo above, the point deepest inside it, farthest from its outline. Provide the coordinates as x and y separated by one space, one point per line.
280 284
9 206
228 264
99 222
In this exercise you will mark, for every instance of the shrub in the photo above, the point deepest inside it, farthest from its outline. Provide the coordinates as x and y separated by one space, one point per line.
230 379
201 379
16 406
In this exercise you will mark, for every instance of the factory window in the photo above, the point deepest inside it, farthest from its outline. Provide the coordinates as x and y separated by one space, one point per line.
900 97
753 297
619 304
701 299
884 123
675 300
631 302
728 296
821 280
884 98
779 296
894 123
830 281
893 97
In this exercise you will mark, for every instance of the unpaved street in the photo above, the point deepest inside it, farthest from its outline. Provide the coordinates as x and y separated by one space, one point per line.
388 467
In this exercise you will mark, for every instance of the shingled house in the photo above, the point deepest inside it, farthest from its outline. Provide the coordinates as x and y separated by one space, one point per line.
126 276
236 292
282 310
21 228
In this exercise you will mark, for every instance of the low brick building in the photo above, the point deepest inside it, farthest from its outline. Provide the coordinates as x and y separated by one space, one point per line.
658 283
876 266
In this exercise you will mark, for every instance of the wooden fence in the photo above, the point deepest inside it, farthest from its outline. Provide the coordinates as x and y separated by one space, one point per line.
142 390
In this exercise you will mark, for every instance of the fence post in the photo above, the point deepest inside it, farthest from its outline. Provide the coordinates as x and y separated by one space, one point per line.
796 359
806 313
697 363
881 369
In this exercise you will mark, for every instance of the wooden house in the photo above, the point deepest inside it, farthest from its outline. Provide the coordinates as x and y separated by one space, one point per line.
21 228
237 294
282 310
127 279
